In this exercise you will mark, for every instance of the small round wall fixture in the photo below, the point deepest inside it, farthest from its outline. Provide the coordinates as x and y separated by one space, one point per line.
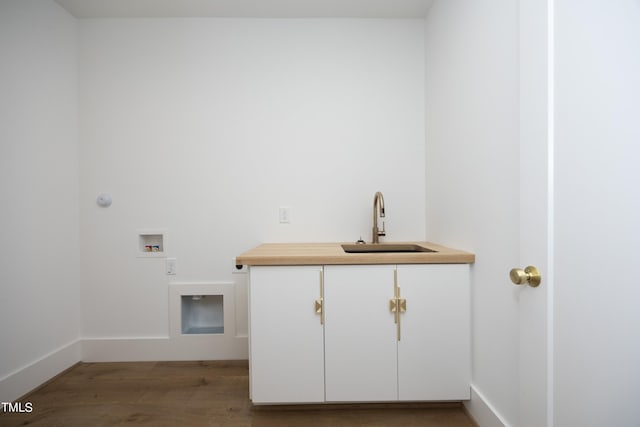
104 200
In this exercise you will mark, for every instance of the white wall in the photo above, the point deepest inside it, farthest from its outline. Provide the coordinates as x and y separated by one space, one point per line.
206 126
472 157
597 344
39 251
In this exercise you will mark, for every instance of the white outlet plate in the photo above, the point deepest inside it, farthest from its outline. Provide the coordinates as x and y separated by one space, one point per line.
239 269
284 215
170 266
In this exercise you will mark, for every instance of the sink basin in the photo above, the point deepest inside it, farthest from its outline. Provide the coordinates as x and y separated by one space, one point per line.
360 248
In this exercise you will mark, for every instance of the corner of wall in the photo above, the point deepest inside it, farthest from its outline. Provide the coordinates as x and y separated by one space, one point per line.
27 378
482 411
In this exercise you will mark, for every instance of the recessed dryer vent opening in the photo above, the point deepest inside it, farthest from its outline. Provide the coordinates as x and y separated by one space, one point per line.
202 314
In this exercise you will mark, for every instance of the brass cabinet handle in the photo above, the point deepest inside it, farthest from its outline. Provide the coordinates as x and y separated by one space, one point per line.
530 275
393 306
397 305
320 309
398 314
320 301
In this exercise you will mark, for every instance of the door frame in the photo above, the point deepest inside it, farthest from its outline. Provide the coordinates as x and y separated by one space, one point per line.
536 309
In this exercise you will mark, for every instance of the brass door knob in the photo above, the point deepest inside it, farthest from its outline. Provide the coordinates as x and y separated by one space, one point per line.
529 275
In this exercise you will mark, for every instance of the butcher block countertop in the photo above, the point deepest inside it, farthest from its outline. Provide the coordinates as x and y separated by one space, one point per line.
333 254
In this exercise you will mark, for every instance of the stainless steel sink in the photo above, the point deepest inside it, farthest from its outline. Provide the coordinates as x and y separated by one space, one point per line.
359 248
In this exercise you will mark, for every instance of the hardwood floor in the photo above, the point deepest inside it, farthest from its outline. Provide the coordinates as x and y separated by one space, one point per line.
180 394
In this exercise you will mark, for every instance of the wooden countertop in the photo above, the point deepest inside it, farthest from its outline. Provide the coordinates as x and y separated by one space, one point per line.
332 253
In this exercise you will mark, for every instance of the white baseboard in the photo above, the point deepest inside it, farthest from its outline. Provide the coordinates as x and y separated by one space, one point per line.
185 347
25 379
482 411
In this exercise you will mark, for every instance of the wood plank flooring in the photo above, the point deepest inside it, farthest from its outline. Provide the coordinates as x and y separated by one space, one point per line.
178 394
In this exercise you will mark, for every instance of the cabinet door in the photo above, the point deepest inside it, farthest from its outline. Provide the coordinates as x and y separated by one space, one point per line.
286 336
360 334
434 360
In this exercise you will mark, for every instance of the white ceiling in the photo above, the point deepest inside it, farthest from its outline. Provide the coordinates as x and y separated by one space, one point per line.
247 8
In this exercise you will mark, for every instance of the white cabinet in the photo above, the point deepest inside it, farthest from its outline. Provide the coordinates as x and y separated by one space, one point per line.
360 354
360 335
368 357
286 335
434 351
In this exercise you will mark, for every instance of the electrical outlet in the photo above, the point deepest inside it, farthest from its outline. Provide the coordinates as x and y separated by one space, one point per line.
239 268
284 215
170 266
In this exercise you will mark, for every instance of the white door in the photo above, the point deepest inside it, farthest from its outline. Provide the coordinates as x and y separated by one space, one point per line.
579 199
536 207
597 213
